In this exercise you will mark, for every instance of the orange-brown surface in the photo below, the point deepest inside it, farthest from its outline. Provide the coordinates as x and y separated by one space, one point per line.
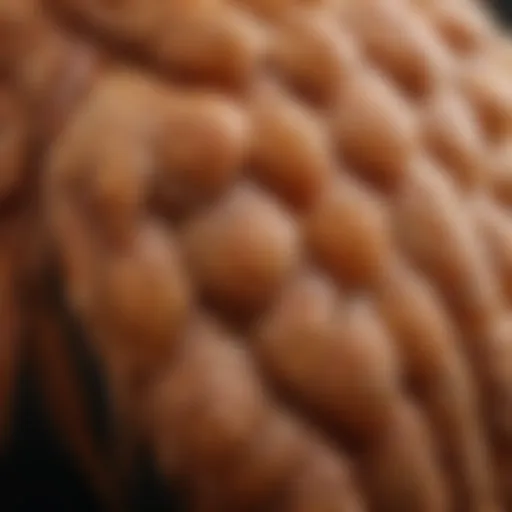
286 228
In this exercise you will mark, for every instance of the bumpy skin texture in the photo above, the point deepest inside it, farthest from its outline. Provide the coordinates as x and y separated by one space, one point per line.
285 226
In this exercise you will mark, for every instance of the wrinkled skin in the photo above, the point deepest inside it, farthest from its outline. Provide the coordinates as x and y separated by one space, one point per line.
284 228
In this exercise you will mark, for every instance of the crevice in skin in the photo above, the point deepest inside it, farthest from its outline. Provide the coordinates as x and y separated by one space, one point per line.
151 493
86 364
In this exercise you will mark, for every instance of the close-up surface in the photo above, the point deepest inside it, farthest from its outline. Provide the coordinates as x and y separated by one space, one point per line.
256 255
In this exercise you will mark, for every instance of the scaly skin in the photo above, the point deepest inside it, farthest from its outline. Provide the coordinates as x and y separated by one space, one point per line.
285 228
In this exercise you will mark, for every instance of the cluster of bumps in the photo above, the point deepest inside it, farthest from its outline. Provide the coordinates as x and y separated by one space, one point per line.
284 226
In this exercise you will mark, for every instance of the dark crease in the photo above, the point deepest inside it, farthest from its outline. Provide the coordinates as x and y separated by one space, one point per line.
84 361
147 492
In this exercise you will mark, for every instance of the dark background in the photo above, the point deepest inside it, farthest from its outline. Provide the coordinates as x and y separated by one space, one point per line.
37 474
504 10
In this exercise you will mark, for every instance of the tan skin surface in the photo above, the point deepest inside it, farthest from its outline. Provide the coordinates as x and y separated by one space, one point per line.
283 227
